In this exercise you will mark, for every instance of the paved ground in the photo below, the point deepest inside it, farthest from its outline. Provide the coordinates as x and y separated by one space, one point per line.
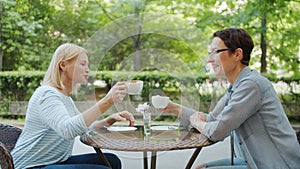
165 160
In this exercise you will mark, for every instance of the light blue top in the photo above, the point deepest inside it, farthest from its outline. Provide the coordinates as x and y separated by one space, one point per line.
52 123
264 135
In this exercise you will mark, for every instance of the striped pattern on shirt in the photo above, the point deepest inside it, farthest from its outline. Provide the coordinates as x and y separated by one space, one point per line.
52 122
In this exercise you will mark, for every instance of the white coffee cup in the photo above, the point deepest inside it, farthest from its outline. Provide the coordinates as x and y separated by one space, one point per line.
134 87
160 102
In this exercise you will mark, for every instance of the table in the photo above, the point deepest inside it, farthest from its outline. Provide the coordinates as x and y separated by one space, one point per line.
136 141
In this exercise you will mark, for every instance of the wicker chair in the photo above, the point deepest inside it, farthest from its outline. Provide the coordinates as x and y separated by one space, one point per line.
8 138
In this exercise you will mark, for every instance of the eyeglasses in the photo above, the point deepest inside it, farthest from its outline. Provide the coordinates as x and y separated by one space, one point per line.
217 51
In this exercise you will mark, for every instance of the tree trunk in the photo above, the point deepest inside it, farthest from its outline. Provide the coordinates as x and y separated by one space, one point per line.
137 59
263 44
1 41
1 60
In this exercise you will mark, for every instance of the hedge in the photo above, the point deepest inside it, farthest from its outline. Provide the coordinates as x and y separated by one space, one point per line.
19 86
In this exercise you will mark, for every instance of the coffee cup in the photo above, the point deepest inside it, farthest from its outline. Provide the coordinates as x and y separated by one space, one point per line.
160 102
134 87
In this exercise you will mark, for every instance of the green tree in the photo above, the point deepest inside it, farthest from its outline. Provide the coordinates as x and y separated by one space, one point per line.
272 23
23 33
31 30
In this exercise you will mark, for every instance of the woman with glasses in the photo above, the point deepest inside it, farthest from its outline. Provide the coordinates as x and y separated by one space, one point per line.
250 112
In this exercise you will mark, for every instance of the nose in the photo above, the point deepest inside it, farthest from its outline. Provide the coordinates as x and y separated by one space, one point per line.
210 58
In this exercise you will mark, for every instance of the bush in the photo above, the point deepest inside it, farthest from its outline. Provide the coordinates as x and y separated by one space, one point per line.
201 92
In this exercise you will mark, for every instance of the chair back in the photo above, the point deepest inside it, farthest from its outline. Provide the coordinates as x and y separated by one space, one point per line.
8 138
6 161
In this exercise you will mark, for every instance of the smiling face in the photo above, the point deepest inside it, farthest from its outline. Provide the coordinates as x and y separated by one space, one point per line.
221 58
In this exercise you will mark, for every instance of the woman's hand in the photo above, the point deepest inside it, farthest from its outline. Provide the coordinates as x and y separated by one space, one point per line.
201 166
198 121
172 108
120 116
117 92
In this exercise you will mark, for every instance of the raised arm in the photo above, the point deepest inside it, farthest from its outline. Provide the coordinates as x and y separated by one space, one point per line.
116 94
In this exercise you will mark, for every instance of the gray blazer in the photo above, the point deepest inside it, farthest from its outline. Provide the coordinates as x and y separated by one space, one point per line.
264 135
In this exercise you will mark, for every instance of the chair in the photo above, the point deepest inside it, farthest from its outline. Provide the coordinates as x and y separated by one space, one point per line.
8 138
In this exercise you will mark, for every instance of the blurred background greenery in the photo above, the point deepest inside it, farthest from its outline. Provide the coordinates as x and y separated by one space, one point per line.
31 30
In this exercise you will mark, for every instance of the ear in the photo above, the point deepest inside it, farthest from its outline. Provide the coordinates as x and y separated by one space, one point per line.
62 65
238 54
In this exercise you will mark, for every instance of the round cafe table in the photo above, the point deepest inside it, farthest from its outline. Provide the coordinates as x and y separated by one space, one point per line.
134 140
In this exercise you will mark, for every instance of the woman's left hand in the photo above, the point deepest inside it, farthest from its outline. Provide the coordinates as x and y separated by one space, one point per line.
198 121
120 116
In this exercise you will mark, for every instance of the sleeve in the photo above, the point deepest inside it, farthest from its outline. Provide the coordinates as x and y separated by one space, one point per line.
212 116
186 113
55 114
244 103
185 117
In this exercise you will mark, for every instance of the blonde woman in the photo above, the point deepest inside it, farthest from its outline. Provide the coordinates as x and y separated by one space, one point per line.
53 121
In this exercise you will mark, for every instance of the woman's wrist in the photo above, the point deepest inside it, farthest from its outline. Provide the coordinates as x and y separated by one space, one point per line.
100 124
178 109
108 100
104 104
109 121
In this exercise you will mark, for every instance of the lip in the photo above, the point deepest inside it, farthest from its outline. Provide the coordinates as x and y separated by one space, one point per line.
215 66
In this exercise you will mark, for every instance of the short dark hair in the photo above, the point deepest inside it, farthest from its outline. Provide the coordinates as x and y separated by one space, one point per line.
237 38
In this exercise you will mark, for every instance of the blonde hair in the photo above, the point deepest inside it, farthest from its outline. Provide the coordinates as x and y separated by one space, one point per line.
64 52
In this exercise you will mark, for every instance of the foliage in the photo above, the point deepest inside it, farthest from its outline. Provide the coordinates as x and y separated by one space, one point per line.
18 87
23 31
31 30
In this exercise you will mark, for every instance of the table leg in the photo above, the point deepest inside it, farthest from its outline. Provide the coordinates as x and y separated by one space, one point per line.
145 160
102 157
153 160
193 158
